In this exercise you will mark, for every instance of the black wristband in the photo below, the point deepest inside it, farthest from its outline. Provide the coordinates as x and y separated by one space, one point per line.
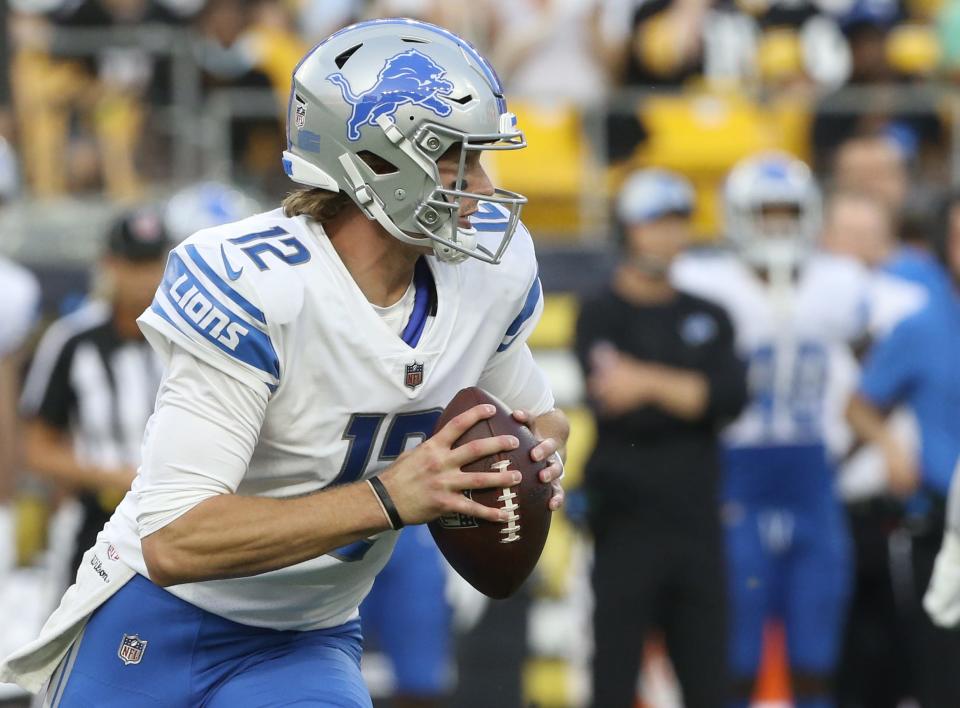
393 516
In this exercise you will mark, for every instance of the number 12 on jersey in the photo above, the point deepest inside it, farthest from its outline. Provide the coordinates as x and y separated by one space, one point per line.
362 431
261 244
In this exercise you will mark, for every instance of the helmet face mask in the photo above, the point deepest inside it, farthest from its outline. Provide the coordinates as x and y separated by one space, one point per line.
405 92
772 207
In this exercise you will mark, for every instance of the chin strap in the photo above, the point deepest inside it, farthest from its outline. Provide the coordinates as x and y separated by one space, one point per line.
447 254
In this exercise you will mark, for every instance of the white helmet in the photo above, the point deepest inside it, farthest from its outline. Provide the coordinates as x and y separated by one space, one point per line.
206 204
404 92
772 208
651 194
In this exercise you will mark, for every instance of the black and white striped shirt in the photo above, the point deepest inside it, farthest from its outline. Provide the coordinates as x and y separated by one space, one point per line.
89 382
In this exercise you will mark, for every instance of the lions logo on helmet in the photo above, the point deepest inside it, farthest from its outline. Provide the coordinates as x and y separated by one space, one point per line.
408 106
410 77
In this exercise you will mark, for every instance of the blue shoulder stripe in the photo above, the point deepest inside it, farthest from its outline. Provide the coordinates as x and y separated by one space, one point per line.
223 287
217 324
529 307
489 217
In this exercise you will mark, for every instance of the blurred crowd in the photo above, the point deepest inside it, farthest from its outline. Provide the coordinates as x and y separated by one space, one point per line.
133 102
110 95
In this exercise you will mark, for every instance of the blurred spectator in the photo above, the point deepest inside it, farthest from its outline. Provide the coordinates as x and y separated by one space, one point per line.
874 671
81 109
915 366
948 32
318 19
666 43
860 226
795 312
18 310
551 50
663 377
475 21
93 381
249 45
913 260
890 100
875 164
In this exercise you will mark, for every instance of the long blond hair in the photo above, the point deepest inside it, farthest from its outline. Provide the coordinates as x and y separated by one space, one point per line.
322 205
318 204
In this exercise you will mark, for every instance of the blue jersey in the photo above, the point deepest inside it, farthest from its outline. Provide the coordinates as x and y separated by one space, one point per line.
916 366
918 266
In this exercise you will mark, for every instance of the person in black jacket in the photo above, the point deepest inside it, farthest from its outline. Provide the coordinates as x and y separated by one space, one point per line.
663 377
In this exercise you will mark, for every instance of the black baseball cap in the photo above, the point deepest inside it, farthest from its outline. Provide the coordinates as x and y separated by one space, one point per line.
139 235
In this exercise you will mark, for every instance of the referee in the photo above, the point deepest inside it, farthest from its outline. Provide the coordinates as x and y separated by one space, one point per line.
662 376
93 381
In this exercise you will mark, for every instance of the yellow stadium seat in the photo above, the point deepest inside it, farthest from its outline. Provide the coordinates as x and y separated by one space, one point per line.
779 55
552 170
583 436
546 683
558 322
913 49
702 135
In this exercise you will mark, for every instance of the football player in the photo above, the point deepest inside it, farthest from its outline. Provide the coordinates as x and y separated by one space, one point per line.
309 352
794 311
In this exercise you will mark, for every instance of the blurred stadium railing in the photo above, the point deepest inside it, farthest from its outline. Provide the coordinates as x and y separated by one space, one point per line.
183 131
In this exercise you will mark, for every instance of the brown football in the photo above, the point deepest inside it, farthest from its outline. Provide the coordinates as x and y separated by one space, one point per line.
496 558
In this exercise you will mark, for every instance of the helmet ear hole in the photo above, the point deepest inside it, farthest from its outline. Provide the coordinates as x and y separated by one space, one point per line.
379 165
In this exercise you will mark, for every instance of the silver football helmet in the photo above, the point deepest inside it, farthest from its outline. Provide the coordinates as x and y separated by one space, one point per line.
404 92
773 210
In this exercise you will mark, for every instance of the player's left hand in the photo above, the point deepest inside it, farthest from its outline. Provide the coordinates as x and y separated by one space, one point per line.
545 450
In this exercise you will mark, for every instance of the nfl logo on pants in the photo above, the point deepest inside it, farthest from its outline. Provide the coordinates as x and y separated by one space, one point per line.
131 649
413 375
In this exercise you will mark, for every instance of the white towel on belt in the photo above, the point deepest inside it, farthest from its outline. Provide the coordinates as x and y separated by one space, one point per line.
100 575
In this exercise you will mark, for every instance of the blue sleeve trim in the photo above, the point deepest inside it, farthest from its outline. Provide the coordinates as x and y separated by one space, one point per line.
529 305
223 287
353 551
213 321
489 217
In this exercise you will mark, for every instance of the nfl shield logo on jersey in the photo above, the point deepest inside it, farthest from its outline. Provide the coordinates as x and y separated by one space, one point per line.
413 375
131 649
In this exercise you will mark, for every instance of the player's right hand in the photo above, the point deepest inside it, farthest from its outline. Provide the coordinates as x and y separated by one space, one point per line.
427 481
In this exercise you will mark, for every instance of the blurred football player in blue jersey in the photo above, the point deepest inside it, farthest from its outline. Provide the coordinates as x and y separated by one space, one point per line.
409 617
794 311
310 351
915 367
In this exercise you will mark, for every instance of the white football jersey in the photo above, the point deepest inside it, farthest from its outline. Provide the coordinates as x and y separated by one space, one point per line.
794 341
18 306
267 301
